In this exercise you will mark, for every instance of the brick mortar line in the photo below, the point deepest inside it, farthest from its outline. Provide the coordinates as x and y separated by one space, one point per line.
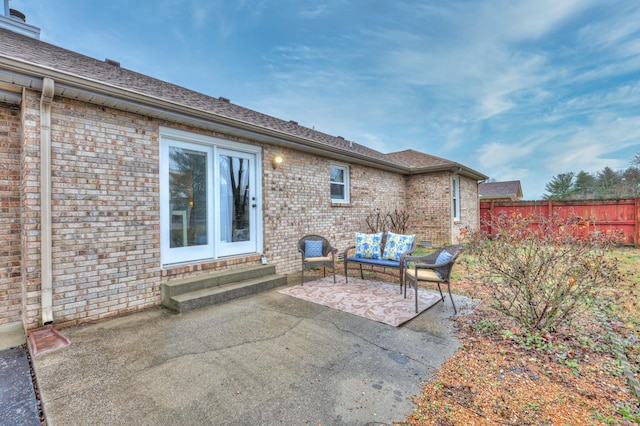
620 353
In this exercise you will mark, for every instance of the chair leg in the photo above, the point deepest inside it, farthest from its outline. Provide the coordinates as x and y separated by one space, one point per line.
416 286
455 310
334 273
440 290
302 281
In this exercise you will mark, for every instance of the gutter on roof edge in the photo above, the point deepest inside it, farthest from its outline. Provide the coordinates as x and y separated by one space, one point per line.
455 168
213 120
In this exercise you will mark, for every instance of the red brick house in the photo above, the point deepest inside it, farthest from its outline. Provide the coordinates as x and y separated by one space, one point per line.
113 183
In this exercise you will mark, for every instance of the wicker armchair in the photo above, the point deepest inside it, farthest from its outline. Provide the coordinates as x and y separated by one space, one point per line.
429 269
325 256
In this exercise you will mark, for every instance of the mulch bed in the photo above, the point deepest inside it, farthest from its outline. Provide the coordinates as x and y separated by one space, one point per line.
503 375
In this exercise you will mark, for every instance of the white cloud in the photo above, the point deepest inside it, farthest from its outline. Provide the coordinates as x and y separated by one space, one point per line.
496 155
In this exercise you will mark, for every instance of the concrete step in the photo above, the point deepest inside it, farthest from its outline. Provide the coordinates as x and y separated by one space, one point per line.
214 279
221 293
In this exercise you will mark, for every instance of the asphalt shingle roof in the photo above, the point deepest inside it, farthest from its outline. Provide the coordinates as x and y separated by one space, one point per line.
34 51
506 189
415 159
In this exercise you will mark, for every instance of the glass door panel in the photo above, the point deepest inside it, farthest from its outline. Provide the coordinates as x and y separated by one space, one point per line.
236 178
186 202
188 197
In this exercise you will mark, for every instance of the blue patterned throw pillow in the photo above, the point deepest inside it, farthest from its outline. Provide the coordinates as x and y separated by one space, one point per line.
312 249
396 245
368 246
443 257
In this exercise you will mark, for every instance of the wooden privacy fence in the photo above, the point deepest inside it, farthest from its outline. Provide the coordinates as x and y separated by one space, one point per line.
620 214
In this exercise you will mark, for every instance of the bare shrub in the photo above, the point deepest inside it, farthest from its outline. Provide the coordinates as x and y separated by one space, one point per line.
395 221
542 271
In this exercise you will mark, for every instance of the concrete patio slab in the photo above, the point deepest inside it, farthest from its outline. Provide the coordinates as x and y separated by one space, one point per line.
262 359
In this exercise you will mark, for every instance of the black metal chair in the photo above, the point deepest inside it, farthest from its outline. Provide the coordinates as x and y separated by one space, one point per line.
430 268
315 257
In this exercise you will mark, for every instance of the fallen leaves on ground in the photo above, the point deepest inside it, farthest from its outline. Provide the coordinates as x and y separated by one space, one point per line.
503 375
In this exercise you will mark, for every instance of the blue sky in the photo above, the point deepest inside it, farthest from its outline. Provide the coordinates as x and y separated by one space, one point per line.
514 89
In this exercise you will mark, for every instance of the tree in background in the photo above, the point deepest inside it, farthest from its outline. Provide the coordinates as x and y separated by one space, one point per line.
584 185
561 187
607 183
631 179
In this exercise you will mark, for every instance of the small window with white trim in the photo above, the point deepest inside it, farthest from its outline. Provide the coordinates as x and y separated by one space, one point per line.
456 198
339 183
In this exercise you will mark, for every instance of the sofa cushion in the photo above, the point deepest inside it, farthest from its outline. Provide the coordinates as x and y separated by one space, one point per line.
368 246
396 245
375 262
312 249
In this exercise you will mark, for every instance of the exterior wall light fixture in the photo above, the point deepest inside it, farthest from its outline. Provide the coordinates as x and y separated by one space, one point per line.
278 160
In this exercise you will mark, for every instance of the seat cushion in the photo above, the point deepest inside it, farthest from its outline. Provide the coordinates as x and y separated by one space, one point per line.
377 262
424 275
368 246
396 245
312 249
318 259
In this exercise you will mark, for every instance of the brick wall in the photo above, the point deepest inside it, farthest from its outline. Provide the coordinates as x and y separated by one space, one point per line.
105 228
469 208
297 202
105 211
10 250
430 206
105 205
30 206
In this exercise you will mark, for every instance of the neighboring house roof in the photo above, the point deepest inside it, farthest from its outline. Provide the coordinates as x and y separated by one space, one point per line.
25 61
500 190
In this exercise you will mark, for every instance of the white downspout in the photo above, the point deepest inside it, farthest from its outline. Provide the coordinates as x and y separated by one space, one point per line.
46 271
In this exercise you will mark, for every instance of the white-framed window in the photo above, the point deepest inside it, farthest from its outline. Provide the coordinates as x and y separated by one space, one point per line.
456 198
339 183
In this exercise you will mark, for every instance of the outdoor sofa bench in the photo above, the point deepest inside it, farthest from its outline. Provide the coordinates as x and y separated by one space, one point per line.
386 258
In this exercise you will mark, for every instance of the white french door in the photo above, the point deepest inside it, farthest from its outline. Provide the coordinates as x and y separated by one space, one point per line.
238 202
210 198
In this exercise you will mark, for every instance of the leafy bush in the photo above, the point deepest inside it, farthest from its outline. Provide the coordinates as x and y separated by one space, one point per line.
542 271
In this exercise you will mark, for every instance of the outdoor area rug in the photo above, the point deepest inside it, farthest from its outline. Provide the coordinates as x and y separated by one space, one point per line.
377 301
